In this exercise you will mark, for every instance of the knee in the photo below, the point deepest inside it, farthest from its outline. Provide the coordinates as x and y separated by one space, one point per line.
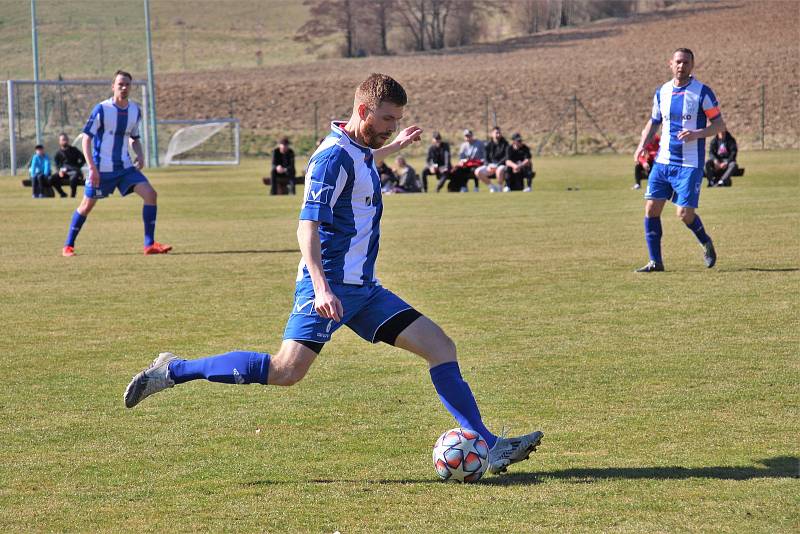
150 197
685 215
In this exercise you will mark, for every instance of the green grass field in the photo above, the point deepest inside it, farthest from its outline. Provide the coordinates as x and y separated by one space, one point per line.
669 401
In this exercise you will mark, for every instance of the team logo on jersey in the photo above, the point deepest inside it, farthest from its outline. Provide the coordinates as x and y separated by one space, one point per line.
319 192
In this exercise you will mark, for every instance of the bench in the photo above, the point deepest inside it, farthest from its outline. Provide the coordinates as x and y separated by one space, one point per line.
282 186
47 190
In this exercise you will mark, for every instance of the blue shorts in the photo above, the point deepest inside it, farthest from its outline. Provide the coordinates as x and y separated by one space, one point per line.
366 308
679 184
124 180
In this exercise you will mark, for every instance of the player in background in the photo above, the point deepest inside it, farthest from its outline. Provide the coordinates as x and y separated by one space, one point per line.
683 108
112 126
336 284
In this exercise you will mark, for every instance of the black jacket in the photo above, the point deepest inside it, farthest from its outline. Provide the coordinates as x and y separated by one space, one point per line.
287 160
727 145
69 157
496 152
439 155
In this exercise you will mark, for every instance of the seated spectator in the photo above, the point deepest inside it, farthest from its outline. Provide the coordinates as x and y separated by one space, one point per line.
471 155
495 166
407 180
519 165
69 162
722 164
386 175
283 173
39 172
645 161
437 163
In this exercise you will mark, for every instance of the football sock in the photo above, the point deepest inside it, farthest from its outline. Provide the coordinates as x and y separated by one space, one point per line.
697 227
456 396
652 234
74 227
149 218
230 368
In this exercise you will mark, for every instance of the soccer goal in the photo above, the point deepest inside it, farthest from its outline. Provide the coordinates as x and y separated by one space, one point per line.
200 142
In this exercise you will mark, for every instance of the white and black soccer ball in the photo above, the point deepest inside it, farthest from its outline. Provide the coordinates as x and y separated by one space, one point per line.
460 454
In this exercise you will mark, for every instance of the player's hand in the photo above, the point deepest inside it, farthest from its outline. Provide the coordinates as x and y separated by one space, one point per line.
94 177
687 135
139 164
639 153
408 135
328 305
723 165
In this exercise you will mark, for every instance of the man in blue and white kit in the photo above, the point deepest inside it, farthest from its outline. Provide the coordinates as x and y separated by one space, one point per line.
113 125
336 284
687 112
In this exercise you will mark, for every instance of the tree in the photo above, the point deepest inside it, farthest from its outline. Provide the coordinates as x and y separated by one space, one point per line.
376 19
331 17
414 15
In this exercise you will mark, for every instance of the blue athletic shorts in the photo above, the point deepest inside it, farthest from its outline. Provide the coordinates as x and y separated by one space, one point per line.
124 180
366 308
679 184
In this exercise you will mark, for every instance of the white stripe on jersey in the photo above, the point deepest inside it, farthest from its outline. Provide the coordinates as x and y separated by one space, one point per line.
110 140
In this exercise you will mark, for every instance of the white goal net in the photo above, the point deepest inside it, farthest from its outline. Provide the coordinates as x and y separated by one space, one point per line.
200 142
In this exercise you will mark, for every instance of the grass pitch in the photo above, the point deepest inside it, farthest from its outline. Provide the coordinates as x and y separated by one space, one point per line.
669 402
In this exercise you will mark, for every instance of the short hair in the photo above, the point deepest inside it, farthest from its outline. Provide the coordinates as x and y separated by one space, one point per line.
284 141
122 73
379 88
38 147
685 51
63 134
496 129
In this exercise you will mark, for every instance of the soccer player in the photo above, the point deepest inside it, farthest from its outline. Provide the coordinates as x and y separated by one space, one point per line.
113 125
683 108
336 284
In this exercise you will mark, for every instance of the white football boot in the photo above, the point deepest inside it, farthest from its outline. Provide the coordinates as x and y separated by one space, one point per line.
152 380
509 451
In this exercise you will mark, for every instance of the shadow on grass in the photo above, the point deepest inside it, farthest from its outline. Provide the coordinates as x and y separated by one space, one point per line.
780 467
212 252
778 270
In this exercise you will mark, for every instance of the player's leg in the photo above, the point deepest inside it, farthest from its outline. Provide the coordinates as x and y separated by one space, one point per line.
55 182
287 367
136 182
76 223
687 198
659 190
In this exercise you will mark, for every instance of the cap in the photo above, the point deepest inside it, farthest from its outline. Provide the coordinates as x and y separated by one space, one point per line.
516 137
467 132
437 135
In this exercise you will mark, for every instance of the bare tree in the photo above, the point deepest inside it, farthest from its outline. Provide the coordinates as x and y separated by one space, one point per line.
376 19
414 15
331 17
528 15
439 11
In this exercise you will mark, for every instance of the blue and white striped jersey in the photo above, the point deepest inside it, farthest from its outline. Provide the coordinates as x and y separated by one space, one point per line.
110 127
343 193
686 108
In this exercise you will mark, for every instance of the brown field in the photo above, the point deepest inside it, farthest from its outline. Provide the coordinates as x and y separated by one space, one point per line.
613 67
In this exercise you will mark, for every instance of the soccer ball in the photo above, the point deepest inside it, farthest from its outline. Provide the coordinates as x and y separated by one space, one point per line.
461 454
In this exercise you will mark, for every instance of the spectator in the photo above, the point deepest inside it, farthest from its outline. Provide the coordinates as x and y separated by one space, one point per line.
645 161
495 166
437 163
519 165
282 168
39 172
471 155
69 162
386 175
407 180
722 164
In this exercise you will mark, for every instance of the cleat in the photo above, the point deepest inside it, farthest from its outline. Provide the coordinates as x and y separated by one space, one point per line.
709 254
651 267
509 451
152 380
636 186
157 248
68 251
527 190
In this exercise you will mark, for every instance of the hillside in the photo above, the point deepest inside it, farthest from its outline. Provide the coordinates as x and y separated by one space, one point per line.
613 66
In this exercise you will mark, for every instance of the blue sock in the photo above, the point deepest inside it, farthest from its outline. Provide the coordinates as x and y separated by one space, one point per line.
456 396
652 234
149 218
699 231
74 227
230 368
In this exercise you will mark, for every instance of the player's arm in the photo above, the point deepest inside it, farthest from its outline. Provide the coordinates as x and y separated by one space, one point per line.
326 303
649 131
403 139
94 174
717 125
136 145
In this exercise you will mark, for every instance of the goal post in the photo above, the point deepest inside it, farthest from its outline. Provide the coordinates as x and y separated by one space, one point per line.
200 141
